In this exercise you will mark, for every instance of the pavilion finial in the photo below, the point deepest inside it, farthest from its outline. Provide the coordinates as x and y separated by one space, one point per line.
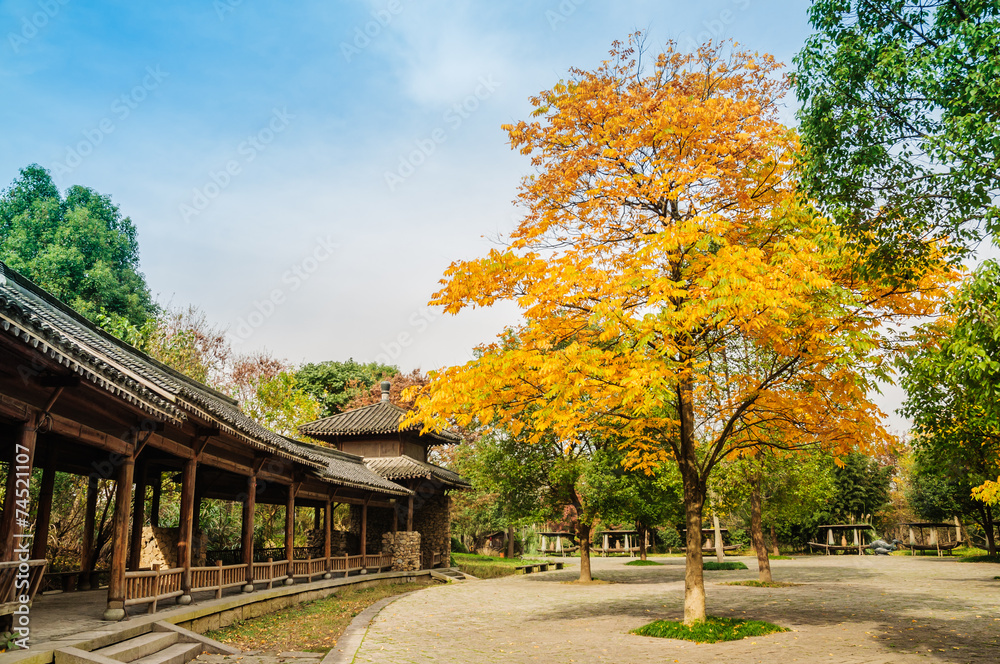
386 385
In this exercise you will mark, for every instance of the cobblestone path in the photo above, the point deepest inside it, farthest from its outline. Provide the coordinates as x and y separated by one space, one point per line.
848 609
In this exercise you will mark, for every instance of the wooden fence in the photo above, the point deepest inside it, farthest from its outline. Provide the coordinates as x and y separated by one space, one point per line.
20 578
152 586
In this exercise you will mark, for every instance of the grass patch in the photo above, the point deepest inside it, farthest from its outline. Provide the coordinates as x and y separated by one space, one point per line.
985 558
712 565
780 558
711 631
490 567
642 563
317 625
761 584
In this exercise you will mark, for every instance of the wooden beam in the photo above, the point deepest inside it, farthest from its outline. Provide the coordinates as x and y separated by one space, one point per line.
116 584
59 381
21 463
249 507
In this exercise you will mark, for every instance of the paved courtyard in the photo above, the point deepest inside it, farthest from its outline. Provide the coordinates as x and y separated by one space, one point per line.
848 609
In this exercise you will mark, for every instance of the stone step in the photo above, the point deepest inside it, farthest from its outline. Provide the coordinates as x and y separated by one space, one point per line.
179 653
140 646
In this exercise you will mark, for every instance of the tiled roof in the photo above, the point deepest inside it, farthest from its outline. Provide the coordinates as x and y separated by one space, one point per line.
406 468
38 319
350 469
379 418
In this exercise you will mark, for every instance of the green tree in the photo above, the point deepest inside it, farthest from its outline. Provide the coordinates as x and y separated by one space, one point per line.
79 248
951 381
899 123
334 383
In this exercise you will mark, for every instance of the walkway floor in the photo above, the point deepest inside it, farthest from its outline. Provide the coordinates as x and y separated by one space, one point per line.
849 609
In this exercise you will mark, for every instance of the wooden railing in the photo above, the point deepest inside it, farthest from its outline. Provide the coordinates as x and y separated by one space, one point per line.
235 556
152 586
13 576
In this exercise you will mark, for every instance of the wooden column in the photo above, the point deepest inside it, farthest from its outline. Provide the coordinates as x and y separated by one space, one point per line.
317 518
364 529
186 533
290 524
409 515
45 492
138 518
327 534
327 527
249 508
87 545
154 506
196 510
119 540
22 460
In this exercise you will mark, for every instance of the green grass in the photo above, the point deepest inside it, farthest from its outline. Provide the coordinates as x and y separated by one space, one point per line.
711 631
317 625
642 563
490 567
712 565
780 558
761 584
985 558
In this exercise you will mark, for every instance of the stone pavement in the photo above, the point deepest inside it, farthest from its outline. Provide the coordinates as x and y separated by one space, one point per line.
849 609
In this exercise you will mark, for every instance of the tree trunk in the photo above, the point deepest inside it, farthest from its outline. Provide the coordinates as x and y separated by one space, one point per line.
990 527
694 500
583 534
642 541
757 531
694 573
774 542
510 541
720 551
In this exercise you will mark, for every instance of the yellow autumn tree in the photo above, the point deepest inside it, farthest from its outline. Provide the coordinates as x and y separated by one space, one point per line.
677 295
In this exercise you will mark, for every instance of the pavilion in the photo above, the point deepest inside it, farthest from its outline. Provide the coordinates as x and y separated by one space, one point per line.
398 453
74 399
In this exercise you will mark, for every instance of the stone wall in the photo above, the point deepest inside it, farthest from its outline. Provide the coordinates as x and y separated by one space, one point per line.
340 542
379 523
404 547
159 547
432 518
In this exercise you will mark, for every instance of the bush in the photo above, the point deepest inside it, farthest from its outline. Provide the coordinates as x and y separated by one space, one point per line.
712 565
712 630
457 546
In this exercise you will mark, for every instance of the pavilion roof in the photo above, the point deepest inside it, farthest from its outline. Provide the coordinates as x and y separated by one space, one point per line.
378 418
405 468
37 318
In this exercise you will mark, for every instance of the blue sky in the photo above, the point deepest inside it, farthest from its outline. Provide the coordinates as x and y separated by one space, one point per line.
304 172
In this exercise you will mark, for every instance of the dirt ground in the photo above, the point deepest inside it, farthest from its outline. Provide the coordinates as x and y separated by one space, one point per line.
848 609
